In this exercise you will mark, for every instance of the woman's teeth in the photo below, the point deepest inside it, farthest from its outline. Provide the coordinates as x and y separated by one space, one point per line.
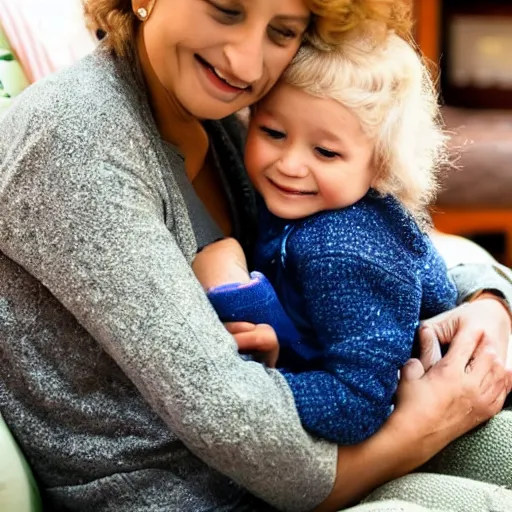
230 81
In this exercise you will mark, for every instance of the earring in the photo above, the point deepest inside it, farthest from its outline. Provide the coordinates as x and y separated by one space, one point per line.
143 13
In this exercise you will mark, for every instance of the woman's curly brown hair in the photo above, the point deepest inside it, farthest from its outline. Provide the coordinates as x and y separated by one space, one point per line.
115 18
331 19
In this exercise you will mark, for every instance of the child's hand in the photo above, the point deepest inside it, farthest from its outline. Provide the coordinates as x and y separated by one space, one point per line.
221 263
258 340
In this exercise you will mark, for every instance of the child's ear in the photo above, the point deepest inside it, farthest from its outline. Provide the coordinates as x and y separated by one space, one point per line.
374 169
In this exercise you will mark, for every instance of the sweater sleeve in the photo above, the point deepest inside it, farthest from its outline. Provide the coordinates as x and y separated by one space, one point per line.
364 318
438 290
89 224
472 278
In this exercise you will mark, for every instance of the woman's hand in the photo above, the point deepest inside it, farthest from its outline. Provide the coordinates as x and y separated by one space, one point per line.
466 387
486 319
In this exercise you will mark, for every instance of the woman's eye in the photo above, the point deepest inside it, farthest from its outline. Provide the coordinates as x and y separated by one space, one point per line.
282 35
326 153
273 134
231 14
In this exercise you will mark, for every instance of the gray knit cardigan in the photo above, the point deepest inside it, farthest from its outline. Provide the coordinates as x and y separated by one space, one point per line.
120 384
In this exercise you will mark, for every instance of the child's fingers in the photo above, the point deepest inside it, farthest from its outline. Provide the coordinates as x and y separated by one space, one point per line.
260 339
238 327
267 358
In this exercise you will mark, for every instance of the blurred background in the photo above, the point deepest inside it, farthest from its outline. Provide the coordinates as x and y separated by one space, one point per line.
471 42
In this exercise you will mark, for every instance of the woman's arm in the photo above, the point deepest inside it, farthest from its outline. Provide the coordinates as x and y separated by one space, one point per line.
464 389
88 222
483 282
472 268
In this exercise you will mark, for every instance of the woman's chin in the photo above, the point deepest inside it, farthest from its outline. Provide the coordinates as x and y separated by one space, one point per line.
211 109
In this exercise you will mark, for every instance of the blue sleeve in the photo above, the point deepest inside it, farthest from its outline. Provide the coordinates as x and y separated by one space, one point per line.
365 319
439 291
255 302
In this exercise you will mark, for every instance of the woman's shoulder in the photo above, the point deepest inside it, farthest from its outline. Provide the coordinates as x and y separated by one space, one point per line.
82 122
90 97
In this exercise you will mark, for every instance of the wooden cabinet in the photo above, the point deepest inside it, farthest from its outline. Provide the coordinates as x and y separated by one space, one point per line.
427 14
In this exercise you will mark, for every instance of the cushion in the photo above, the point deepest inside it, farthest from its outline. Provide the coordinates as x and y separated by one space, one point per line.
18 490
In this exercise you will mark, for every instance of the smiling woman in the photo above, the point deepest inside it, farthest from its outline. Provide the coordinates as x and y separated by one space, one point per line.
238 49
236 52
331 18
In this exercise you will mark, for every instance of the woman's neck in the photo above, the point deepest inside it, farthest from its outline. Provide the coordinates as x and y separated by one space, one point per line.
175 124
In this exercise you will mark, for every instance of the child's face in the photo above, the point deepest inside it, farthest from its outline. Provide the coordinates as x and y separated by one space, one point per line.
306 154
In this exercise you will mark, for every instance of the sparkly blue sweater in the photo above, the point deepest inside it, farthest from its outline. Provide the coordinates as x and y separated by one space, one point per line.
355 282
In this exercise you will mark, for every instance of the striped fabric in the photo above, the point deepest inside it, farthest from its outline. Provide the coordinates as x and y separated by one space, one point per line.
12 77
45 36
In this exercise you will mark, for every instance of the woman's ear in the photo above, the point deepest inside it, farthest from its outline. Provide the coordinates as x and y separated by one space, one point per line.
143 8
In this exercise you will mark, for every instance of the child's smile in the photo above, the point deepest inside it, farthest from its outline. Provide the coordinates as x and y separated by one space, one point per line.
306 154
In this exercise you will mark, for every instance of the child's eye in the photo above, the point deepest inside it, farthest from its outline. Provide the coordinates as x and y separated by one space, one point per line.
273 134
326 153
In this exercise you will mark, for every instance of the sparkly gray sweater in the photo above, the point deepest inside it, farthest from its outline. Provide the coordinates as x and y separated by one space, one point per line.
116 377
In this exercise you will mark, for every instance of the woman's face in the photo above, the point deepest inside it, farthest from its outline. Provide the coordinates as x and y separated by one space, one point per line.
216 57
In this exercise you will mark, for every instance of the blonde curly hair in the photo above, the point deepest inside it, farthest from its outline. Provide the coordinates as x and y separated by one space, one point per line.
389 89
331 19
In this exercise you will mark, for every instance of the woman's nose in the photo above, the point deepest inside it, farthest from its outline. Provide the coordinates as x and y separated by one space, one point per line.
245 55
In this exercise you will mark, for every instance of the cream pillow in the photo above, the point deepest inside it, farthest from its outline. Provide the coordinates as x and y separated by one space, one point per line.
18 490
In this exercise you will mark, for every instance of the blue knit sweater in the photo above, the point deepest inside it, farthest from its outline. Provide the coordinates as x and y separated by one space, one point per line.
355 282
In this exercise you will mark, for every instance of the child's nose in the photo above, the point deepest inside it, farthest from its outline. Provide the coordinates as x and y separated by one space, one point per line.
293 165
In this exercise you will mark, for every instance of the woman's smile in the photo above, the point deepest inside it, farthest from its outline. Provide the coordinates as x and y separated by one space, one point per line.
219 84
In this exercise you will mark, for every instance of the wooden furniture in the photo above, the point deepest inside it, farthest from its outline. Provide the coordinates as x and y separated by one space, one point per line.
427 14
467 222
477 196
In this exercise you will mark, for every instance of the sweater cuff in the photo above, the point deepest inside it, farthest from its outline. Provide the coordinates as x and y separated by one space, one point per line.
473 279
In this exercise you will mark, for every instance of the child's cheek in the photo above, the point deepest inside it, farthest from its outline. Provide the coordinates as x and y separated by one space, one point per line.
256 154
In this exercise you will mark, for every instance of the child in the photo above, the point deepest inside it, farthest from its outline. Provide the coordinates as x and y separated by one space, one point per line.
343 153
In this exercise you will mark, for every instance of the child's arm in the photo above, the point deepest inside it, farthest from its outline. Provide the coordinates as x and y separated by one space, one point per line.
365 319
239 297
220 263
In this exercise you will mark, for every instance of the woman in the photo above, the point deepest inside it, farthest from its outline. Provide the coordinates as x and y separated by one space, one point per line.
122 387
